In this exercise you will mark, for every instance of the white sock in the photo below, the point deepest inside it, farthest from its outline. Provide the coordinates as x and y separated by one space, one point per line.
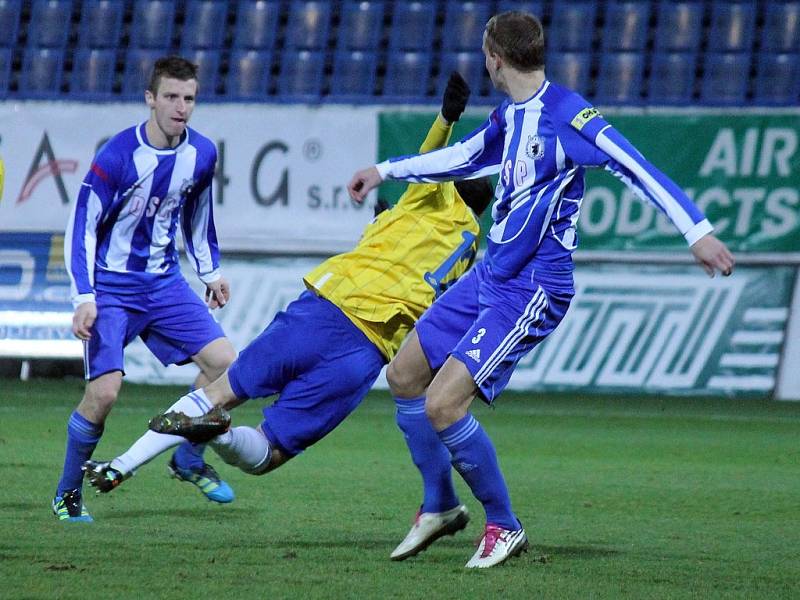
151 444
243 447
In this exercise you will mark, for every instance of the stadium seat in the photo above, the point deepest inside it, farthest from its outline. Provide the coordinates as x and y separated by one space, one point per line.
725 78
619 80
93 72
781 30
360 26
535 7
138 67
407 75
470 64
464 23
679 25
6 58
41 72
672 77
101 23
248 78
207 62
308 25
50 21
412 26
732 25
301 75
353 74
205 24
570 69
626 25
152 25
256 24
572 26
10 11
778 79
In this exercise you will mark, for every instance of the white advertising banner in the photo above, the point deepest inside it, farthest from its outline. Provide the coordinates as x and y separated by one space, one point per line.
281 174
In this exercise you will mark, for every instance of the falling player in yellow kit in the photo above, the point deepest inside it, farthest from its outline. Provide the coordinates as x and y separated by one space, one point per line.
324 352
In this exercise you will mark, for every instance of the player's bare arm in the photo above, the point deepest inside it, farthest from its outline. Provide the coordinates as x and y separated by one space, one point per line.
218 293
82 320
713 255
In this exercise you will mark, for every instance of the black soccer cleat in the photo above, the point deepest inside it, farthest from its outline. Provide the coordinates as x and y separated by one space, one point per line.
197 430
102 477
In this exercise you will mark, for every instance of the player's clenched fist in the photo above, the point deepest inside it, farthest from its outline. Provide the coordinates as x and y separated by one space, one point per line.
363 182
456 96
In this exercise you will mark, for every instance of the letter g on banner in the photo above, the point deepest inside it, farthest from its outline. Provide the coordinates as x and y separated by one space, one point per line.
281 192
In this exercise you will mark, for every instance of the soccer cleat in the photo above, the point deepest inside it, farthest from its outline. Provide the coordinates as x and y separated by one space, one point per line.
102 477
207 480
429 527
198 430
498 545
69 507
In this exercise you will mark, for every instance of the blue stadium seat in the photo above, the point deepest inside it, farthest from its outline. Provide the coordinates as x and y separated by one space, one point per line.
679 25
152 25
570 69
778 79
725 78
470 64
207 62
572 26
353 74
42 71
732 25
412 26
672 77
361 24
6 58
626 25
308 25
256 24
619 80
138 68
407 75
93 72
205 24
101 23
49 26
248 78
10 11
464 23
781 31
301 75
535 7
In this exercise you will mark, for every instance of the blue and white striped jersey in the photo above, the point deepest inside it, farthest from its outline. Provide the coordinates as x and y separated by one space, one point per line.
121 233
541 148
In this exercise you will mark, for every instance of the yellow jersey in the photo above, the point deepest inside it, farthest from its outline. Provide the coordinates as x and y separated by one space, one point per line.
406 257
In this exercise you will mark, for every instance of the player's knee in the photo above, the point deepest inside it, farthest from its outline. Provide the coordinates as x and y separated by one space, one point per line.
438 411
403 383
100 396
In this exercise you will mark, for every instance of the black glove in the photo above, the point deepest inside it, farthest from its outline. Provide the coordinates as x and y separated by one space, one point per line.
381 205
455 98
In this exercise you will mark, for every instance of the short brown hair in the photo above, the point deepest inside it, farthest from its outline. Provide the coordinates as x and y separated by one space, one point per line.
518 37
174 67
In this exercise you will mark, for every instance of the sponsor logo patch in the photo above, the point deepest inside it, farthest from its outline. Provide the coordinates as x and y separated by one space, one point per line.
474 354
583 117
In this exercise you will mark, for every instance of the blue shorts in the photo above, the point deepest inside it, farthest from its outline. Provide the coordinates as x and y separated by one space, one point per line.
319 362
172 321
490 325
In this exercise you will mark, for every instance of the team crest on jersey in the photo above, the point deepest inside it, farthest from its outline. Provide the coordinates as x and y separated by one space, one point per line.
187 187
535 147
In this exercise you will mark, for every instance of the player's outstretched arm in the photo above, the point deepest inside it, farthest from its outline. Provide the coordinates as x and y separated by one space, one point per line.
713 255
218 293
363 182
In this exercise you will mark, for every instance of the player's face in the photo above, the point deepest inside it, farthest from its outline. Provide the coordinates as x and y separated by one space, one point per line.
170 107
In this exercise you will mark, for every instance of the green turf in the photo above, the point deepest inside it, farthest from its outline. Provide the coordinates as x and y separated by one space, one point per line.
622 498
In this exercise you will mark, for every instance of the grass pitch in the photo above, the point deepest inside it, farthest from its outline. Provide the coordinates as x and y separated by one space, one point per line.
621 498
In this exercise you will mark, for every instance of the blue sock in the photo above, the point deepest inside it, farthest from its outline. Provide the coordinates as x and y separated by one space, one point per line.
475 459
82 438
189 456
429 455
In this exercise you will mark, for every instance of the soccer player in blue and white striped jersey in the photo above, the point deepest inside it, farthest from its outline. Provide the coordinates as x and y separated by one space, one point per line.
122 259
540 141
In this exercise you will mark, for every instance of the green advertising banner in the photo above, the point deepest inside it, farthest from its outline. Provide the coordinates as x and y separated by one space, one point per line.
743 170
